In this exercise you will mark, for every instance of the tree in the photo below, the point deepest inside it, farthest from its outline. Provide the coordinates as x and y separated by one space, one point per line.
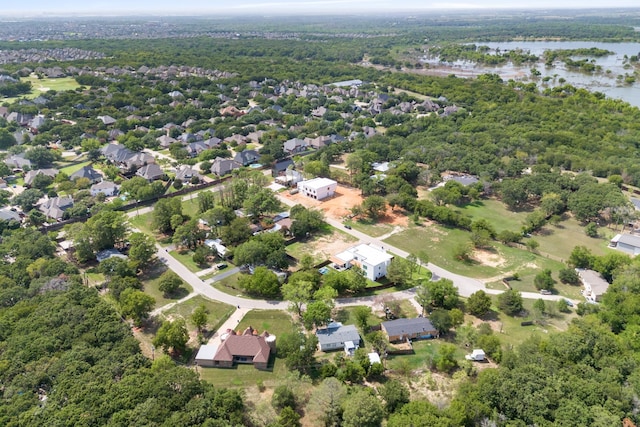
326 401
297 293
362 409
41 156
236 232
136 304
41 181
262 282
441 320
510 301
374 206
260 202
479 303
298 350
163 212
6 139
107 229
170 282
395 395
356 280
462 252
399 271
591 229
172 335
361 314
318 313
28 198
569 276
445 360
581 257
442 293
206 201
540 307
188 235
142 249
200 255
283 397
288 418
199 317
543 280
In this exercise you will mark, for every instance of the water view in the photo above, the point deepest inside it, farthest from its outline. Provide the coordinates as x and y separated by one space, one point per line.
610 80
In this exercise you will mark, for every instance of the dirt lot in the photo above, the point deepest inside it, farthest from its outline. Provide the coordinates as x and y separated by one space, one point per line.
339 206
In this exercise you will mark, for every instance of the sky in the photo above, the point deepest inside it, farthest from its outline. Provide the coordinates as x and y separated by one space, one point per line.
281 7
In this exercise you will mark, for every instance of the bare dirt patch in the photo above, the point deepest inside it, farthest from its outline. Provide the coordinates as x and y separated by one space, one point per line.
488 258
327 246
336 207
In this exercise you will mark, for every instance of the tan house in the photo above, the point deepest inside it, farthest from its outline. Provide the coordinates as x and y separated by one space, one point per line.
248 348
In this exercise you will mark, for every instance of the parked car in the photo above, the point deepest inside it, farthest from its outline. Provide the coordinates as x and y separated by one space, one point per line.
221 266
569 302
545 292
347 226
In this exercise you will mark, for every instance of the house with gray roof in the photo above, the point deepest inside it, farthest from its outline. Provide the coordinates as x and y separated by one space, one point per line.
186 172
86 172
294 145
222 166
30 176
594 284
627 243
337 336
409 329
55 207
150 172
17 161
7 214
246 157
107 188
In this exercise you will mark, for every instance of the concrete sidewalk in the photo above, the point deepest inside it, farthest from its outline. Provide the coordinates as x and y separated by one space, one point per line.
231 323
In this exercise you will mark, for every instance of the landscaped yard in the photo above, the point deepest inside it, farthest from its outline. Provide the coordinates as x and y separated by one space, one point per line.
74 168
151 282
218 312
275 322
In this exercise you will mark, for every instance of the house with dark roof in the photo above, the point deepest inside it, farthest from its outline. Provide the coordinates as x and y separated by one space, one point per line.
409 329
246 157
150 172
222 166
86 172
248 348
55 207
337 336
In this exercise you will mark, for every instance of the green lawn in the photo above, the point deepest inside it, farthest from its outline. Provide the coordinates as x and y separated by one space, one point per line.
369 227
560 240
142 223
186 258
496 213
39 86
229 284
440 242
275 322
218 311
151 282
74 168
345 315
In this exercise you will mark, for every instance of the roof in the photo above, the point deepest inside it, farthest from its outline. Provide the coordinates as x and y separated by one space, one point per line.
150 171
408 326
348 83
630 239
243 345
104 185
374 358
598 285
336 333
207 352
317 183
86 172
7 215
636 203
363 252
108 253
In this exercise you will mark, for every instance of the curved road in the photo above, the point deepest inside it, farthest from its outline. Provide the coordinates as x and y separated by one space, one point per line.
466 285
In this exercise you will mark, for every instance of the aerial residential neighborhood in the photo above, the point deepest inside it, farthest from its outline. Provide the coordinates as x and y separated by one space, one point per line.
387 220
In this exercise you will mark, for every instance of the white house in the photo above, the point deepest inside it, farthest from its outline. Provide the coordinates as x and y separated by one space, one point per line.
107 188
318 188
626 243
371 259
594 285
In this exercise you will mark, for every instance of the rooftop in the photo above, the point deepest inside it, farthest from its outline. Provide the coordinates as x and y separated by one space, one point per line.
408 326
337 333
317 183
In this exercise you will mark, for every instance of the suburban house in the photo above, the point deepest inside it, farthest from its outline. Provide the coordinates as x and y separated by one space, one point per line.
86 172
216 245
150 172
371 259
107 120
248 348
409 329
222 166
7 214
627 243
318 188
122 156
246 157
165 141
295 145
17 161
186 172
281 166
337 336
107 188
55 207
30 176
594 285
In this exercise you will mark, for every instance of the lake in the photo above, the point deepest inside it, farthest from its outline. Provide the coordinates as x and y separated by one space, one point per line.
607 81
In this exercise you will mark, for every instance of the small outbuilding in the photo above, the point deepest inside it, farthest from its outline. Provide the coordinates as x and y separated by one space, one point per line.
477 355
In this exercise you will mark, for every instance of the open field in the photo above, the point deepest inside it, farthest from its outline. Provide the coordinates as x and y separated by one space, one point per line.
496 213
39 86
218 312
142 223
276 323
440 243
151 282
321 247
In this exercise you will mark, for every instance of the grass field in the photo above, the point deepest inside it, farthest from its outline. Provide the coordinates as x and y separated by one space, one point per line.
560 240
218 311
151 282
74 168
275 322
496 213
142 223
369 227
39 86
186 259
